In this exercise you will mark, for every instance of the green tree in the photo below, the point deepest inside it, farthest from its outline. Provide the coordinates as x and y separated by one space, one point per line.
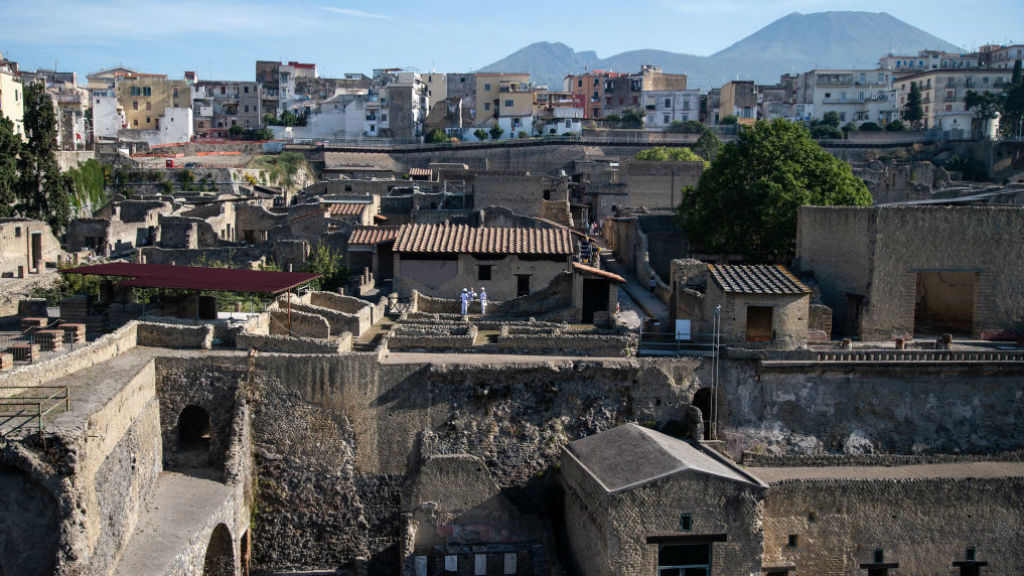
729 120
870 127
496 132
45 193
326 262
10 146
663 154
686 127
895 126
746 202
633 118
913 112
480 134
830 119
1012 121
707 146
437 135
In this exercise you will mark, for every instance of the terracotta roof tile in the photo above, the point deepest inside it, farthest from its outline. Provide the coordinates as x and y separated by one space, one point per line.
459 239
373 234
757 280
597 272
345 208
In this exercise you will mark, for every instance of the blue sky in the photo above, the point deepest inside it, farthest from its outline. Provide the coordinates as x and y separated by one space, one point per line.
222 39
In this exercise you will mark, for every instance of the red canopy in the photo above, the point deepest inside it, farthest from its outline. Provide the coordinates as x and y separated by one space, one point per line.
196 278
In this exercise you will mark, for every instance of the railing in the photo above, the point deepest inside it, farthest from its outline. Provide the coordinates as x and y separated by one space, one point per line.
20 411
666 344
922 356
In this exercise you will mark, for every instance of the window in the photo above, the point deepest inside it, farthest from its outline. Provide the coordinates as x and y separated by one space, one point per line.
579 83
383 117
794 540
135 105
222 89
147 91
487 87
665 119
522 284
136 121
484 272
684 560
246 107
487 105
879 555
480 565
970 555
668 102
245 89
148 120
508 103
451 563
17 231
149 105
510 562
759 324
686 523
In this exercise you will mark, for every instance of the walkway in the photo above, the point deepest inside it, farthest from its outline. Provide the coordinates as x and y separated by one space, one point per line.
471 359
182 509
958 470
639 291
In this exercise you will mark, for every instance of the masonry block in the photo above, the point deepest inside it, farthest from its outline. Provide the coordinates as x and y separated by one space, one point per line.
50 339
33 323
24 351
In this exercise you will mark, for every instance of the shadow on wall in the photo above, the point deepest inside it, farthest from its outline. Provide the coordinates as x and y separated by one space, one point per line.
29 531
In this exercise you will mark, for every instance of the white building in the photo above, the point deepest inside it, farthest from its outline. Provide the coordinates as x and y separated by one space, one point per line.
107 115
664 107
858 96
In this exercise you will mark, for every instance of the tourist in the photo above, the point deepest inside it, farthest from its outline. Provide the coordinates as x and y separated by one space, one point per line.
483 300
465 301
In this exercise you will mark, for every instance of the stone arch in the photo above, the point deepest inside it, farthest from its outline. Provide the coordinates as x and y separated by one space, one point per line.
29 525
219 559
702 400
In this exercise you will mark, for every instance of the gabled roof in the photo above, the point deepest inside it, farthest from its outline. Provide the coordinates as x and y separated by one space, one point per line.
462 239
631 455
369 235
757 280
345 208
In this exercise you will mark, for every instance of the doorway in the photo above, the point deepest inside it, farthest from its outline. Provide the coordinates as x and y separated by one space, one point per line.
944 302
759 324
522 285
595 298
37 251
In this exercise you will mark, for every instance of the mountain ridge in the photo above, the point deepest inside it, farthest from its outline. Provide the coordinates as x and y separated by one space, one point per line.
794 43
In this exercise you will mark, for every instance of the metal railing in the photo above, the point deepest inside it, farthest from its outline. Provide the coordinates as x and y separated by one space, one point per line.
19 411
665 344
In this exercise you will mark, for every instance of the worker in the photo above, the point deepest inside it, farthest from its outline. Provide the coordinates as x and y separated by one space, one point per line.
483 300
465 301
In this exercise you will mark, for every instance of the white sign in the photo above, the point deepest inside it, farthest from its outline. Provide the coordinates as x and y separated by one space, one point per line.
683 330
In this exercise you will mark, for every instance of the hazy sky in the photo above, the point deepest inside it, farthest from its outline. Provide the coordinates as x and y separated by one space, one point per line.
222 39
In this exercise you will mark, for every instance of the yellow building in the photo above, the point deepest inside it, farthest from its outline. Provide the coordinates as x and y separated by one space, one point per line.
145 96
499 93
943 93
12 98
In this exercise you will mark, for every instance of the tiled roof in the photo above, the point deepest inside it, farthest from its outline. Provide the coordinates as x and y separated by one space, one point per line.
420 172
373 234
462 239
597 272
757 280
345 208
197 278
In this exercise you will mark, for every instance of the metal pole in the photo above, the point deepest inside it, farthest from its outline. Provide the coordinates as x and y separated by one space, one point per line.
717 387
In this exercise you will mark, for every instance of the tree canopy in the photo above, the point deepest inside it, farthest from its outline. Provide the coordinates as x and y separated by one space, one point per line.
747 201
663 154
913 112
44 193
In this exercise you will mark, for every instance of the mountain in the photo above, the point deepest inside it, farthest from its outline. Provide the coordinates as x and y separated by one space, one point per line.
793 43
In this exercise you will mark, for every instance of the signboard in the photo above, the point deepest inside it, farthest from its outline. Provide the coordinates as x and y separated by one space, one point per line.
683 330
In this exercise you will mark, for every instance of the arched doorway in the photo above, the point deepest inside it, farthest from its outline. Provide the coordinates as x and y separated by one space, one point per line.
220 554
702 400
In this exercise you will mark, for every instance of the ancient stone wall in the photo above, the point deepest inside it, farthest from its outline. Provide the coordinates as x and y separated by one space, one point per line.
658 184
901 409
175 335
924 525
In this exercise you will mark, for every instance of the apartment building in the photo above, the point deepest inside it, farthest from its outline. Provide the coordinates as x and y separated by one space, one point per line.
146 97
219 105
277 82
942 98
1001 57
902 65
12 95
856 95
739 98
591 85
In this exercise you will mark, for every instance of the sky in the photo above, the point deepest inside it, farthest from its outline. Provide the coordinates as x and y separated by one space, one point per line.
222 39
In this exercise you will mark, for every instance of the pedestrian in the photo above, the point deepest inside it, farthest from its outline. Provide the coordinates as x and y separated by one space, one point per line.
653 283
465 301
483 300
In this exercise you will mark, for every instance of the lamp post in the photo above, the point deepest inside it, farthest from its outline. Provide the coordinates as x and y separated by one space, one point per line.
717 338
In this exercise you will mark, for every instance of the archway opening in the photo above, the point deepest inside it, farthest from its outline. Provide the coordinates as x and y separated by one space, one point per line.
220 557
702 400
194 430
